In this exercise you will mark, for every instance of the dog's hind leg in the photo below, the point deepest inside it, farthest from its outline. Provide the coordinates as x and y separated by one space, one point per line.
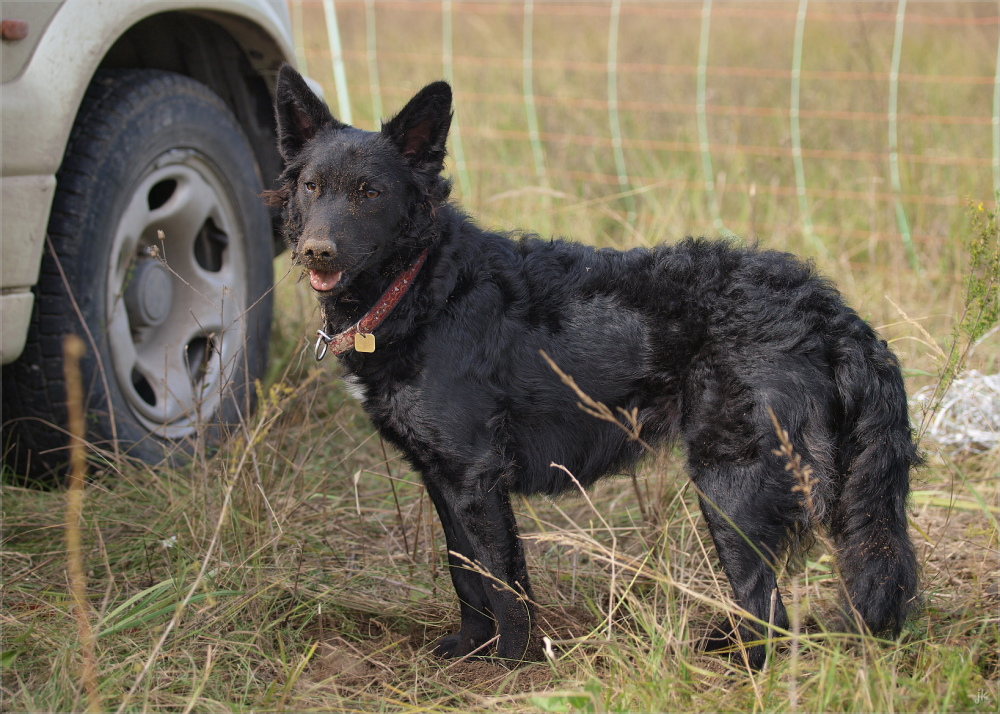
749 521
488 568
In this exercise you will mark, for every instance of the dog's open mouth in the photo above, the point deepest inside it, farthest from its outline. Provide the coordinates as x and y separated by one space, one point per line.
324 280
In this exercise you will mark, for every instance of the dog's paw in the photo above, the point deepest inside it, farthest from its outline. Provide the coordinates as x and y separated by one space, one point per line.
728 644
719 639
517 652
457 645
447 646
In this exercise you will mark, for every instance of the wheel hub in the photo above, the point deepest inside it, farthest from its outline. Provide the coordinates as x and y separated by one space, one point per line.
175 332
149 294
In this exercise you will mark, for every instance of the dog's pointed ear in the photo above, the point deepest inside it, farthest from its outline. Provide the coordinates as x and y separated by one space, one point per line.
299 112
420 130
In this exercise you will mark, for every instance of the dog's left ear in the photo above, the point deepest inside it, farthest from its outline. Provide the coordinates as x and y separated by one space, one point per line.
420 130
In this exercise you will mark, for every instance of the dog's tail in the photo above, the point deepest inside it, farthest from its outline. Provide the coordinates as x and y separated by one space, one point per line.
876 452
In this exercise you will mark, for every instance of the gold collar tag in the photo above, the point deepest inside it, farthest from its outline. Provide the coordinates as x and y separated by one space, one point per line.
363 342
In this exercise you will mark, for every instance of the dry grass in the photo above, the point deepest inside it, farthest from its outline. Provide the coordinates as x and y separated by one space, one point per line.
302 567
321 580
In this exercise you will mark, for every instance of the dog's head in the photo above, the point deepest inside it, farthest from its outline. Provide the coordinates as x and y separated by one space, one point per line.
355 200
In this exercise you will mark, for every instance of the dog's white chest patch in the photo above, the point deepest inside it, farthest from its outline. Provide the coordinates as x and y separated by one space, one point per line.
355 388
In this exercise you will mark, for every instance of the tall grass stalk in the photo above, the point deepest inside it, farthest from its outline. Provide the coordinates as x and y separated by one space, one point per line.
73 351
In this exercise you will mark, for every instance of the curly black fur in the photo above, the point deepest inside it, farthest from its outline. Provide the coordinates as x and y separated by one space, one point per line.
701 338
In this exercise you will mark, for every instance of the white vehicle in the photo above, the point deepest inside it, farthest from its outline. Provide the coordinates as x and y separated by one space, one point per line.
137 136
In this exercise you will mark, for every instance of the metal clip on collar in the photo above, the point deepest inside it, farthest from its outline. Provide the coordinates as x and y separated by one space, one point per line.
322 341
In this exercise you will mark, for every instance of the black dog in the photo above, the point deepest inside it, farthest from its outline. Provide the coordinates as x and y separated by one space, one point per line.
701 339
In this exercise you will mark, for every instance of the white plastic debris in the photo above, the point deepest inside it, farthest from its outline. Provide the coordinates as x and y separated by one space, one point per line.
968 421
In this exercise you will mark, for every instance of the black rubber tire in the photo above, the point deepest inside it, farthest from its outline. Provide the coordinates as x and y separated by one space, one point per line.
128 122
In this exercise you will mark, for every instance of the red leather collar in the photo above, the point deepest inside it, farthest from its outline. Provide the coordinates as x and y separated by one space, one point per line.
343 341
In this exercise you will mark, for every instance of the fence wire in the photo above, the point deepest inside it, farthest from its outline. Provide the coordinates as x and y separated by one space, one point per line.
863 129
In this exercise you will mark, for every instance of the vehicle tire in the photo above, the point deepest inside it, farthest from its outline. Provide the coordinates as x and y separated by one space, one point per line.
159 257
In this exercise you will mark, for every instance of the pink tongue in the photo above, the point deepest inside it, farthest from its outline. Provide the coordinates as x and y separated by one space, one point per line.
323 280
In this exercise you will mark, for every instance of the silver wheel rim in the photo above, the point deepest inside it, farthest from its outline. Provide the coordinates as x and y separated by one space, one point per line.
174 361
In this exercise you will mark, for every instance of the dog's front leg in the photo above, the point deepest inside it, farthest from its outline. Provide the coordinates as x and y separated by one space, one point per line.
487 565
478 622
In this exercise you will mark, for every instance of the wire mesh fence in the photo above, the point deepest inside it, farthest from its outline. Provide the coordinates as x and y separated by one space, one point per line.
854 130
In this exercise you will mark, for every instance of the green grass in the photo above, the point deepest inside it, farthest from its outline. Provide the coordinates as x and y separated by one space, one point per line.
306 569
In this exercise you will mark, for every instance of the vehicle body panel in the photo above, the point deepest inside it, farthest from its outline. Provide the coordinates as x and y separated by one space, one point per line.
49 74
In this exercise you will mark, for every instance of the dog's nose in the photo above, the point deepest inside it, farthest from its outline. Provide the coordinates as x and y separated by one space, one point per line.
318 249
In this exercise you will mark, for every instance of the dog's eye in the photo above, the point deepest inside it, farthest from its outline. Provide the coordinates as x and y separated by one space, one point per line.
372 193
310 186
